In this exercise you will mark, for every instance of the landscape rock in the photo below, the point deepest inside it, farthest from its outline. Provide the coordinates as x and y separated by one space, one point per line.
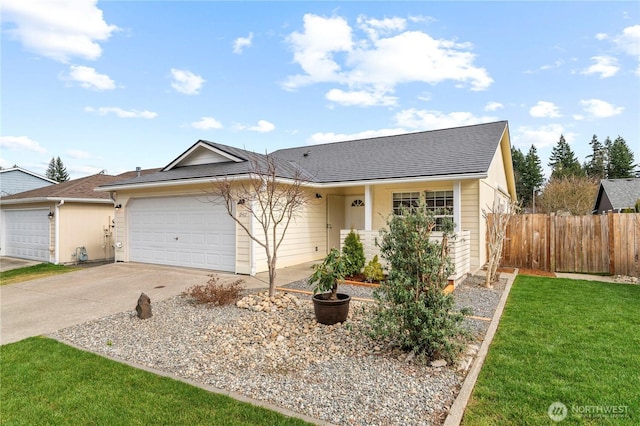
143 308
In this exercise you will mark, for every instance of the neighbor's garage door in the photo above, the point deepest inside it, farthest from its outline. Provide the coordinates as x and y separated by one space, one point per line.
181 231
27 234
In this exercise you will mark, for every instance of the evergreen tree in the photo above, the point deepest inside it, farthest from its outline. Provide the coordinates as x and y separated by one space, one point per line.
596 166
533 177
517 159
61 171
57 171
563 161
621 162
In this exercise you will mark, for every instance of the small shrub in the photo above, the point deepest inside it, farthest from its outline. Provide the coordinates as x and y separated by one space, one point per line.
353 253
412 309
214 293
373 271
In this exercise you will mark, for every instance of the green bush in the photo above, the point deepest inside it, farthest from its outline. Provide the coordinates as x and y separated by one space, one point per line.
353 254
412 310
373 271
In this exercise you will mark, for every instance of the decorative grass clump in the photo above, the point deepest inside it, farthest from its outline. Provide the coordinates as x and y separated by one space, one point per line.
214 293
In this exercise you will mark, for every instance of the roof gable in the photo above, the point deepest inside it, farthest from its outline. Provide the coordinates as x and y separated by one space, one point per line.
204 152
622 193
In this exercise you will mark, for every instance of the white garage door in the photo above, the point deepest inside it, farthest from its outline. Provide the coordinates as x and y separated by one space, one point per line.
26 234
181 231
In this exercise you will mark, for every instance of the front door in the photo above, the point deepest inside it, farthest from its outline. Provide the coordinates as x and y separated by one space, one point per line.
335 220
354 212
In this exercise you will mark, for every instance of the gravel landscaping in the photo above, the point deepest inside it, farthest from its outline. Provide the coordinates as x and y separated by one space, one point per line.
274 351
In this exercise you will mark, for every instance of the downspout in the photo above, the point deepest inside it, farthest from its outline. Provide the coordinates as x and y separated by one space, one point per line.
57 231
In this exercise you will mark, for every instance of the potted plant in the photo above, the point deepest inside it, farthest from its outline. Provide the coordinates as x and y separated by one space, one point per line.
330 307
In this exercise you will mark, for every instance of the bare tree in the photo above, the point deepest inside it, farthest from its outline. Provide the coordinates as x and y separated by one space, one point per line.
573 194
497 219
269 200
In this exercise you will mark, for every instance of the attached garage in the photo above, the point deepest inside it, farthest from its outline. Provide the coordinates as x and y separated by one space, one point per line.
184 231
26 234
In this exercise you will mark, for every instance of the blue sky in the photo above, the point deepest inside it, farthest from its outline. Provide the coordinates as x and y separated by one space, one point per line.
118 84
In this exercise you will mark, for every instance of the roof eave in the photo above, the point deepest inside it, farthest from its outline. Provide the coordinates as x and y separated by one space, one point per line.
55 200
164 184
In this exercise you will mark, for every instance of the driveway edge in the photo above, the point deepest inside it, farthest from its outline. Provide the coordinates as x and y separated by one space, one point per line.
212 389
456 412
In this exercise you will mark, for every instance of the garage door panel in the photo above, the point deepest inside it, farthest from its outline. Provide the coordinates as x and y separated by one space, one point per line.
182 231
27 234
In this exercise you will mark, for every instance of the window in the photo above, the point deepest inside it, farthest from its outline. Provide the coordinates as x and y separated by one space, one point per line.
405 200
357 203
440 203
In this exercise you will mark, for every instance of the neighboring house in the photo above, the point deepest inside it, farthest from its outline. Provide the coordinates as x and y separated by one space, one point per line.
16 179
54 223
616 195
170 218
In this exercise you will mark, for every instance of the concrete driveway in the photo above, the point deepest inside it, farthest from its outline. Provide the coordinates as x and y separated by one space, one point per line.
44 305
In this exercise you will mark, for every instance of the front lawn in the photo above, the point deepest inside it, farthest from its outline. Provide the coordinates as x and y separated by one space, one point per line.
47 382
560 340
32 272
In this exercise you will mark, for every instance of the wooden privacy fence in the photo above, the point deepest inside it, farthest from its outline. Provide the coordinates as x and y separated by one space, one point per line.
607 244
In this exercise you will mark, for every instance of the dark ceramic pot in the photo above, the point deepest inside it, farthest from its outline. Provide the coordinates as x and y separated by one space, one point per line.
329 311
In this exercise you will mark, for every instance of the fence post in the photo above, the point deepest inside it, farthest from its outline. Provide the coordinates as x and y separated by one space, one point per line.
612 243
552 242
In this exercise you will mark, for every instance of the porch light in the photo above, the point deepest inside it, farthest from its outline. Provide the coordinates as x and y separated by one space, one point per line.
118 206
50 215
319 196
241 201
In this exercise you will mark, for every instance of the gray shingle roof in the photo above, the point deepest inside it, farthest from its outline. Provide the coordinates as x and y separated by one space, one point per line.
461 150
456 151
623 193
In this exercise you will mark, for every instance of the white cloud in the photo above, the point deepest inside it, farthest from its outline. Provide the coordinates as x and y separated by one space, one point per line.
360 97
493 106
377 27
629 40
542 136
121 113
207 123
600 109
318 138
89 78
544 109
556 64
241 42
58 29
606 66
263 126
80 155
387 55
21 143
601 36
186 82
430 120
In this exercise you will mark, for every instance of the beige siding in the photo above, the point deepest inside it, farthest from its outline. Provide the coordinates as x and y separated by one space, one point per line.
243 243
470 212
305 239
85 225
492 189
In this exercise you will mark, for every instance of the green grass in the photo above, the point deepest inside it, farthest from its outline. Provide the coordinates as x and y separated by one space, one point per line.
572 341
32 272
47 382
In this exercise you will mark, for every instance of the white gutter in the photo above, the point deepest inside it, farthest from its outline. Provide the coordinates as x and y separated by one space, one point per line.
56 199
57 231
163 184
